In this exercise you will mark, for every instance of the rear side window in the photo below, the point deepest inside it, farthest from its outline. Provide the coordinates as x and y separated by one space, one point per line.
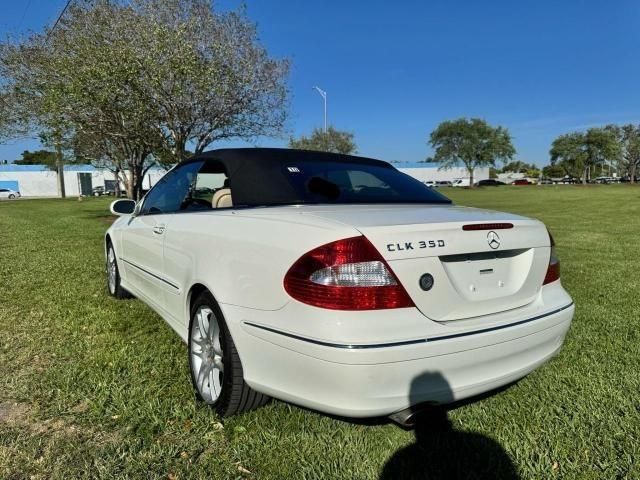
210 178
341 182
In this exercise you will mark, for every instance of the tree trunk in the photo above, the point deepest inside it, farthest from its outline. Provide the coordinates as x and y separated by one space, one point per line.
116 190
134 182
180 152
135 174
139 181
470 177
60 171
584 175
131 184
632 172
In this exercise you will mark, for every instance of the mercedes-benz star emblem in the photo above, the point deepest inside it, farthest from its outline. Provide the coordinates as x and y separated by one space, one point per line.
493 239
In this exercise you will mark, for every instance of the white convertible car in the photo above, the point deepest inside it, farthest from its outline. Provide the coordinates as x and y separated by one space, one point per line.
337 283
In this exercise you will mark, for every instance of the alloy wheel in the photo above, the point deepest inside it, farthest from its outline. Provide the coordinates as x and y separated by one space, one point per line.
206 354
112 271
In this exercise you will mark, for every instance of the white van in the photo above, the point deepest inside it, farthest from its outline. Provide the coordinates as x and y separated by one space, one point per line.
461 182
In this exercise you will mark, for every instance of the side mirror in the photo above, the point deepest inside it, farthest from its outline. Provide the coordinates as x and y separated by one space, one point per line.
122 207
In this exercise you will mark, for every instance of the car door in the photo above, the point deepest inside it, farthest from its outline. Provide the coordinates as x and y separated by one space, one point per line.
182 243
143 237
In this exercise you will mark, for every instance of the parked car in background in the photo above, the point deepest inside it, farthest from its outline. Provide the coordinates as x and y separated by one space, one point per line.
522 181
100 190
9 194
337 283
569 180
443 183
546 181
429 183
109 187
489 182
461 182
604 180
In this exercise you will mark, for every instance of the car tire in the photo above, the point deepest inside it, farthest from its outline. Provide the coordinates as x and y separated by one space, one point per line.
214 363
12 196
113 275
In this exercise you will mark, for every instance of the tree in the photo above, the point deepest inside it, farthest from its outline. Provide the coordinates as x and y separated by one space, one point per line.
629 139
333 140
10 126
472 142
518 166
578 152
137 83
553 171
216 63
35 102
567 152
39 157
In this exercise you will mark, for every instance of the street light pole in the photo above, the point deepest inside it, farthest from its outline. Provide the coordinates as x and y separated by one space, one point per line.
323 94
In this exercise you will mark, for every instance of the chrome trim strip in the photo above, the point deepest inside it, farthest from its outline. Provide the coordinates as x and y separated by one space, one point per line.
407 342
151 274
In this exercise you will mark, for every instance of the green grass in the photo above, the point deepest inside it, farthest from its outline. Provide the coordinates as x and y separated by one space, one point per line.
94 387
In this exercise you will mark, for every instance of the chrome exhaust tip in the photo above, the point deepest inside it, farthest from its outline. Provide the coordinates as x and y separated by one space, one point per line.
407 418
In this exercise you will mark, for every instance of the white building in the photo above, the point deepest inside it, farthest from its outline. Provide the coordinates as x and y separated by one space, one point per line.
40 181
431 171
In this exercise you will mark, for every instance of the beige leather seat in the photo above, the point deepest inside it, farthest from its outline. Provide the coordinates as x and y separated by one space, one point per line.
222 199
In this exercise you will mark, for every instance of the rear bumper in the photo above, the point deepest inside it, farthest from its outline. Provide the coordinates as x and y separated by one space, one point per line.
372 379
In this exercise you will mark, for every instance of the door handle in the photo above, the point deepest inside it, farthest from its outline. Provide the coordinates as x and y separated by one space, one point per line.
159 229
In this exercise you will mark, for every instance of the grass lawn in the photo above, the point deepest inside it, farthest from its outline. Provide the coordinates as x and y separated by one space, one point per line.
95 387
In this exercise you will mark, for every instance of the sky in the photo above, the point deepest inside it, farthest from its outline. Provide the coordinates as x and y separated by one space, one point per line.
394 70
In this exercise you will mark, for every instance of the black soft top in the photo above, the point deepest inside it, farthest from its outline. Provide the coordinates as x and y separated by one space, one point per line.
268 176
281 156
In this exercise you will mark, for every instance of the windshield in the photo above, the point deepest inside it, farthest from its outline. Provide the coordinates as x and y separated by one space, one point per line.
343 182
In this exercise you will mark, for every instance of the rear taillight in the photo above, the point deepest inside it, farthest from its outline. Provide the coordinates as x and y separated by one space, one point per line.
553 270
348 274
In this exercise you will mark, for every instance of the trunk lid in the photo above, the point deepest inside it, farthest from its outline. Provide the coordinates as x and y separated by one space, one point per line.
475 272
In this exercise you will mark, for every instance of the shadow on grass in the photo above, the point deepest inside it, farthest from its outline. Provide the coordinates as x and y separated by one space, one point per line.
102 217
440 450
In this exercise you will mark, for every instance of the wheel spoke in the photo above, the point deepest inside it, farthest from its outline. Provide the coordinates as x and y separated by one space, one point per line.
212 383
217 362
203 376
202 326
214 337
217 348
197 349
213 327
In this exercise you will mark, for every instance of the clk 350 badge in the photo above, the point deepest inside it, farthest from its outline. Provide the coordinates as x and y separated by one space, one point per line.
401 247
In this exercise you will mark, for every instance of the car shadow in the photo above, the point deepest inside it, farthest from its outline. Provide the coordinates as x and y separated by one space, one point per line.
440 450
